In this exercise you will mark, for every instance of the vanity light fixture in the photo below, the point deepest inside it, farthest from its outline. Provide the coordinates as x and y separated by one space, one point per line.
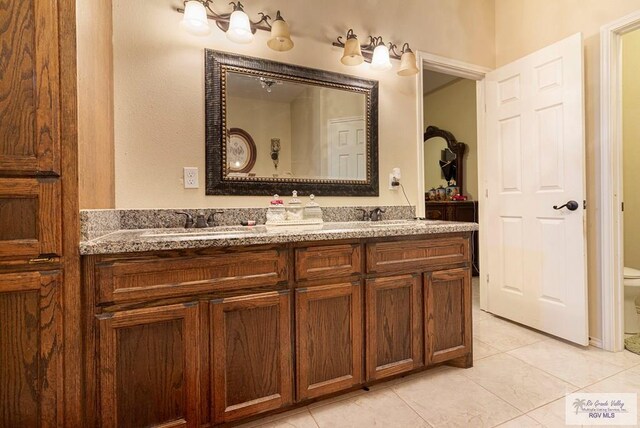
377 53
237 25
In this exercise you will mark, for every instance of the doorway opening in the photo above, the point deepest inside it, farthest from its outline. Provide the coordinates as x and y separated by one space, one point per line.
631 181
619 140
450 124
439 76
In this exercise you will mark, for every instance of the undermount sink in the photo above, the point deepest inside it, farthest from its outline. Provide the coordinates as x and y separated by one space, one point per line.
203 233
392 223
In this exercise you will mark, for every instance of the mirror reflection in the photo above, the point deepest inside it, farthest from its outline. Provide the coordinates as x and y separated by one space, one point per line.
443 173
286 129
440 166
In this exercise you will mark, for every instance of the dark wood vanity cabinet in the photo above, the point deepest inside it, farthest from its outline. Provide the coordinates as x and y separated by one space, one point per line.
394 325
328 339
447 315
251 358
220 338
148 367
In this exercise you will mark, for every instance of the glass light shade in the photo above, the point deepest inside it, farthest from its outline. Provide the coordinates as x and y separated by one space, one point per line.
195 19
239 28
280 36
408 64
352 54
380 60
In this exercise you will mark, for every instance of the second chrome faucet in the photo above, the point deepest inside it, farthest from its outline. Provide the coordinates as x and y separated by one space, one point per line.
201 220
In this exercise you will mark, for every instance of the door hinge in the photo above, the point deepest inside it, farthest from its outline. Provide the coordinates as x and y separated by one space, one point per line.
486 193
584 204
487 278
622 207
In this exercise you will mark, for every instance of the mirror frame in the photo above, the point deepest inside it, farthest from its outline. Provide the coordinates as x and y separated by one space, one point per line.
455 146
217 64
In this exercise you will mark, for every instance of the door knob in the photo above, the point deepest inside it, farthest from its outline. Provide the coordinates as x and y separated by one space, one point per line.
571 206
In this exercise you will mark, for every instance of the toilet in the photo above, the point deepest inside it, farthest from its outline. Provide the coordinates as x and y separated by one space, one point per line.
631 296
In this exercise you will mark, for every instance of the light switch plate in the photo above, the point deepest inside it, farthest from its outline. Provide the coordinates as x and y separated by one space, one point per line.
191 179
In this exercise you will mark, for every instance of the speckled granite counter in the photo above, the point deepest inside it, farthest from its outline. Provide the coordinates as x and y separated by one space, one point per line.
139 240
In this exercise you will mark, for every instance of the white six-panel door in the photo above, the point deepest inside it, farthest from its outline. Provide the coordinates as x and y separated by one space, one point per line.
535 161
347 148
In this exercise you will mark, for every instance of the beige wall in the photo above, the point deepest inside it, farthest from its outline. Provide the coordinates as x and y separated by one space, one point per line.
631 146
524 26
159 80
453 108
264 120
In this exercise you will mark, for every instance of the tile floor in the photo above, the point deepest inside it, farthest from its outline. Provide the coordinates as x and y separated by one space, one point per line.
519 379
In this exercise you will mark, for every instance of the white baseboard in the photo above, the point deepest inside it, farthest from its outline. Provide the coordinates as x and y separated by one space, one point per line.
595 342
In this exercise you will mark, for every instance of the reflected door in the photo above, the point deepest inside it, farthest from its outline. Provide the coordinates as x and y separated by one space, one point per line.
535 135
347 149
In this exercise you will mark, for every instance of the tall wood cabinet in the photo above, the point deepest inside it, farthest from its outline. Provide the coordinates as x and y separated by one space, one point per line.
39 261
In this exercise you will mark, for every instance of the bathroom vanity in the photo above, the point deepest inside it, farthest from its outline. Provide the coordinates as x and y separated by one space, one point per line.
201 328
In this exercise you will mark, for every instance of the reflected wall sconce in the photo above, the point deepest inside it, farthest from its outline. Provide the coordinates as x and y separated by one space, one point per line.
236 24
377 53
275 151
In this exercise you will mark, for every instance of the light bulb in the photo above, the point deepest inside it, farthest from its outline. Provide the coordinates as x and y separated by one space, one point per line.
239 27
380 60
195 19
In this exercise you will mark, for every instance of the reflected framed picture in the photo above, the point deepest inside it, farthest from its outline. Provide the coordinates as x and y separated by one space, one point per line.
241 151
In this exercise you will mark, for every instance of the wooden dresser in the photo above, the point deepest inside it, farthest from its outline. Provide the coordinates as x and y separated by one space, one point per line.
456 211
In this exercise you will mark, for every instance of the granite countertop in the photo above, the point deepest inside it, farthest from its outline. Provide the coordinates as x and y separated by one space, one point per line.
139 240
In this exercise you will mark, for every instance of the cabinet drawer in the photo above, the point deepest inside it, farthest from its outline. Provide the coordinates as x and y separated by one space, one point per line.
416 255
327 261
127 280
30 224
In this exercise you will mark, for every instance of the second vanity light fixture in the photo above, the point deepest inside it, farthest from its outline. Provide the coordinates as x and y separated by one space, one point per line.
237 25
377 53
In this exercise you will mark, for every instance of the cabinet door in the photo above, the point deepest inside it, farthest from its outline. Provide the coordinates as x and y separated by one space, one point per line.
448 314
148 367
30 350
328 339
29 88
251 351
30 223
393 325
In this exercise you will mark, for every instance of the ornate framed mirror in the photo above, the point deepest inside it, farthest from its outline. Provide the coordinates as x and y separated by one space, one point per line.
309 130
443 158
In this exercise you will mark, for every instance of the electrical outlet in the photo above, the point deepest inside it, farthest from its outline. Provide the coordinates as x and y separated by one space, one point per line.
394 179
191 179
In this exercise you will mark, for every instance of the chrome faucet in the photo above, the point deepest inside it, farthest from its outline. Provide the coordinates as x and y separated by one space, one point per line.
201 221
376 214
373 215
